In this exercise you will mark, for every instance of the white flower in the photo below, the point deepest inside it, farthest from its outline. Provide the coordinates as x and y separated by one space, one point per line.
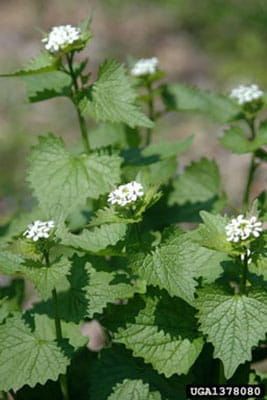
145 66
242 228
246 255
126 194
61 37
39 230
246 94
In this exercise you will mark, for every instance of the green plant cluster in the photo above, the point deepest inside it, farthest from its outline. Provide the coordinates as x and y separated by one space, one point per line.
177 306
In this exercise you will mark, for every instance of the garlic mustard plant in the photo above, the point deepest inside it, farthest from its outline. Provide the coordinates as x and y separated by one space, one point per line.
242 228
129 254
39 230
60 37
126 194
145 66
246 94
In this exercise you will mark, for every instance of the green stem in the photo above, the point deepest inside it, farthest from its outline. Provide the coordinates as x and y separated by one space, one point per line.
252 168
253 165
222 379
82 122
151 112
243 286
62 378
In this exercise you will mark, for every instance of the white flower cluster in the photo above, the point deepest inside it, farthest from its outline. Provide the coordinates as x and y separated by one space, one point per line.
145 66
39 230
242 228
126 194
61 37
245 94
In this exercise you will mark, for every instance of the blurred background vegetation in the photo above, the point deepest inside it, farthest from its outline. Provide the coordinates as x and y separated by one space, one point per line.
214 44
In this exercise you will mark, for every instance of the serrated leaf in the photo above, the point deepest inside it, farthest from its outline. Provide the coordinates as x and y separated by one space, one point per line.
133 390
208 263
233 324
107 287
39 359
61 179
169 353
235 139
112 98
44 62
199 183
156 173
46 279
8 306
10 263
47 85
259 267
168 268
211 233
94 240
181 97
116 364
108 135
110 215
45 327
167 149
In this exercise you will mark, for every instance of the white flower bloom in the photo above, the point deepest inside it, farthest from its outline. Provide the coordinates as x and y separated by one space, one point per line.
39 230
246 94
145 66
126 194
242 228
61 37
246 255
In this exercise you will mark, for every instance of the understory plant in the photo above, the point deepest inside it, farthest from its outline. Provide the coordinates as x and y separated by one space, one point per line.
175 277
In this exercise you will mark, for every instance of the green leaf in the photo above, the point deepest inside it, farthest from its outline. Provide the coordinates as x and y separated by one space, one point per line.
199 183
47 85
94 240
169 267
46 279
45 327
72 304
171 347
8 306
44 62
156 173
167 149
259 266
110 215
233 324
207 262
234 139
112 98
39 359
61 179
107 287
212 234
10 263
180 97
133 390
108 134
117 363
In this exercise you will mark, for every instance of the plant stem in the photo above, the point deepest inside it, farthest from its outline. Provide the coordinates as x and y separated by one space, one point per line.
252 168
82 122
62 378
243 285
253 165
222 379
151 112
